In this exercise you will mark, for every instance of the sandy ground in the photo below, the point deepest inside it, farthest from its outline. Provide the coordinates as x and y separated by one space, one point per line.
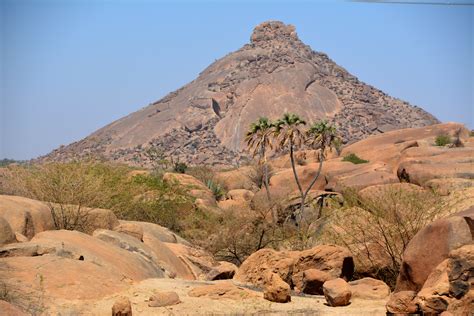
140 293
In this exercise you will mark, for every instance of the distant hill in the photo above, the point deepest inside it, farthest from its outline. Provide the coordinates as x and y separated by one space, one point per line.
204 122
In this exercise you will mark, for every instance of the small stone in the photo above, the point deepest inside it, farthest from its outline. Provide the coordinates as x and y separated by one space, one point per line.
276 289
161 299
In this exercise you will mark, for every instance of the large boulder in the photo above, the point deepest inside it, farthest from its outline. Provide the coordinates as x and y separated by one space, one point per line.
195 188
82 247
290 265
122 307
6 234
402 302
237 179
26 216
313 280
431 245
336 261
337 292
254 269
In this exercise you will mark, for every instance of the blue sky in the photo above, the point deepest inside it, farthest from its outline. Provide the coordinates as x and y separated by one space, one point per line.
70 67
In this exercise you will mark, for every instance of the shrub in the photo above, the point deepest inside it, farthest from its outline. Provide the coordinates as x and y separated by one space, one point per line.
443 140
257 175
202 173
180 167
354 159
216 189
376 228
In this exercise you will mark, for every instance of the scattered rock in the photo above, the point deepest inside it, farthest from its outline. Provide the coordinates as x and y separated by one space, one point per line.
161 299
276 289
369 289
20 237
122 307
337 292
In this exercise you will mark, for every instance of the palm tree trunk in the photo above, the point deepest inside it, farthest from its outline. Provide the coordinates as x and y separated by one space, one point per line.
318 173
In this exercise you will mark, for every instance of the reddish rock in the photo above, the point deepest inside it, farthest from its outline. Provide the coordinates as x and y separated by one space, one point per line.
276 289
337 292
402 302
225 270
430 246
122 307
131 229
8 309
312 281
369 289
6 233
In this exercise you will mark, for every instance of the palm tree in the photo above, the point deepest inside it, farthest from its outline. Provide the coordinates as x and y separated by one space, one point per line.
259 140
289 134
320 136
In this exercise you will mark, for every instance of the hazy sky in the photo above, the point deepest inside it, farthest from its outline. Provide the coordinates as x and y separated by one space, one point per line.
70 67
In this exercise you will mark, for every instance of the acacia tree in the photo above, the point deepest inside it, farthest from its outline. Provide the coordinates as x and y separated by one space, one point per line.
259 140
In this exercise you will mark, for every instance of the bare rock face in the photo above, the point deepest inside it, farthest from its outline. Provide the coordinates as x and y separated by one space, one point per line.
204 122
337 292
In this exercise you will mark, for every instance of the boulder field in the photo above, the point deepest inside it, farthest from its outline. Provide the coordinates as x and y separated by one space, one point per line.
129 267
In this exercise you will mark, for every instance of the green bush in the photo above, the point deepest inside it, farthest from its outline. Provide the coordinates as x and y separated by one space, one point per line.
180 167
216 189
443 140
354 159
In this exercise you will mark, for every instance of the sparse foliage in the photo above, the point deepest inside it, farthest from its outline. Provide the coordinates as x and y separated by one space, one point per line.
354 159
443 140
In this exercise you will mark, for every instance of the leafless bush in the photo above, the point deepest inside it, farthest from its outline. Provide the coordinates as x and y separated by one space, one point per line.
377 227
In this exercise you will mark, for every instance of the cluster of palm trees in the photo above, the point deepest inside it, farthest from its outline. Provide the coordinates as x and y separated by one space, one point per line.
289 133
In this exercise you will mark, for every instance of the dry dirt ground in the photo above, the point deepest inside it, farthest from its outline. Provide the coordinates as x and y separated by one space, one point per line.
140 293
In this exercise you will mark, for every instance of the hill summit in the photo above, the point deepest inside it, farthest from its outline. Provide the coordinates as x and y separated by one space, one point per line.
204 122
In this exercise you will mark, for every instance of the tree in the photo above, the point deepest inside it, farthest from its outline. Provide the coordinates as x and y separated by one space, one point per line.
259 140
320 136
291 136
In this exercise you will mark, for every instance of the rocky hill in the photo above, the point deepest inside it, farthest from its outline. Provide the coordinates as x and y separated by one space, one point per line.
204 122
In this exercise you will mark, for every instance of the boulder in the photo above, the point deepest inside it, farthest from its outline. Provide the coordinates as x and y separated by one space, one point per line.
225 270
6 233
82 247
419 167
223 290
135 247
276 289
255 267
402 303
447 186
240 178
99 218
56 277
313 280
131 229
156 231
430 246
336 261
337 292
20 238
25 216
369 289
163 298
434 296
195 187
122 307
242 195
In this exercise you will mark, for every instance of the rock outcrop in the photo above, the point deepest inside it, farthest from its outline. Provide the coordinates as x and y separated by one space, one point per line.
204 122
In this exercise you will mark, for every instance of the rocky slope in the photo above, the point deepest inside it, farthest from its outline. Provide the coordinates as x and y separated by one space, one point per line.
205 121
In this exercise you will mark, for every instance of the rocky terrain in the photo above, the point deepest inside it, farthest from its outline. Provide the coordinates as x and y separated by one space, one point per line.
204 121
129 267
